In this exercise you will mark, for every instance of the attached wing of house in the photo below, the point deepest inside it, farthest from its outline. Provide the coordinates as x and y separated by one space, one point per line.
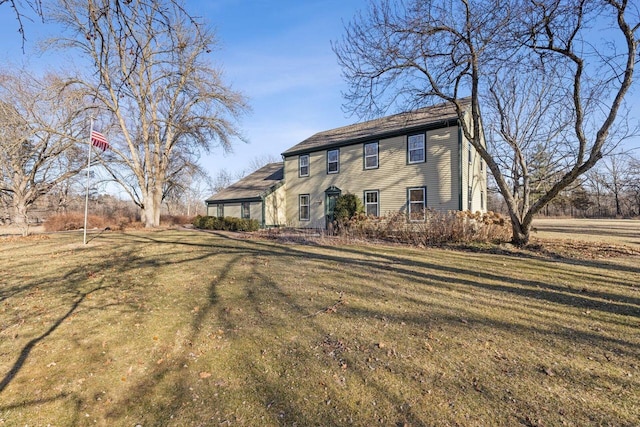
408 162
258 196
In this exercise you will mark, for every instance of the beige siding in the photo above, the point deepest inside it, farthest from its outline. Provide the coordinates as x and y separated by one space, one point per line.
439 174
474 176
274 209
255 211
212 210
232 209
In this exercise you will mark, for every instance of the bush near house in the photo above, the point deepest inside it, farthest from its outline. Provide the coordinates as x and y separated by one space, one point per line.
226 224
437 228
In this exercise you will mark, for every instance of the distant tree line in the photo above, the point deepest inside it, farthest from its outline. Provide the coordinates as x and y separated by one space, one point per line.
610 190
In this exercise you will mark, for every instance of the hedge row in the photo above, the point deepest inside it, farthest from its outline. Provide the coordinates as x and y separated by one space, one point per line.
227 223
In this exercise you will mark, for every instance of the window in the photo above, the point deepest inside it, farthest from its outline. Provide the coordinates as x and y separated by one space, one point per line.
303 165
482 200
333 161
371 203
304 202
417 204
469 197
246 210
469 154
220 211
371 155
415 148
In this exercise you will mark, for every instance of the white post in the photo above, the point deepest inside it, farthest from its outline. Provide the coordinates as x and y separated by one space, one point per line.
86 199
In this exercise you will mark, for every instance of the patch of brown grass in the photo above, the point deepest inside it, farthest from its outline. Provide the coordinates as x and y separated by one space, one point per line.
189 328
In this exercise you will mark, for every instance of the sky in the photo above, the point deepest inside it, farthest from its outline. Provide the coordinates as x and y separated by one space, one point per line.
277 53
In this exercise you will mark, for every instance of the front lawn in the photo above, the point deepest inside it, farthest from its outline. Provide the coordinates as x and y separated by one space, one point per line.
187 328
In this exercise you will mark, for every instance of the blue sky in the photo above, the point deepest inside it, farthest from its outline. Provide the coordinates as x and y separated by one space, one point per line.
277 53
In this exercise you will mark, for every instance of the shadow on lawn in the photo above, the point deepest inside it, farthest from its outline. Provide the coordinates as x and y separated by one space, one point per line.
73 281
576 296
279 398
278 393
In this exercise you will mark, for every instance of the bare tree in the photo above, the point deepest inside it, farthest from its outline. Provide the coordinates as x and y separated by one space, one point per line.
153 78
40 127
411 53
22 10
616 178
223 179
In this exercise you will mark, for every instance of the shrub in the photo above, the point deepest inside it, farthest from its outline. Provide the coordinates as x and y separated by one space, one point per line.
170 220
347 206
438 228
75 221
227 223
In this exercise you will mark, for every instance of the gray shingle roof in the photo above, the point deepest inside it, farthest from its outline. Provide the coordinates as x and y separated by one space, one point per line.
382 127
252 186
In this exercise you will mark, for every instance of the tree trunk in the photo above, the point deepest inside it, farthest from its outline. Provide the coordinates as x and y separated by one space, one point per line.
21 214
152 207
520 232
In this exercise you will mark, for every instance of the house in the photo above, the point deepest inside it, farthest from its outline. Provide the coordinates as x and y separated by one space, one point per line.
258 196
406 162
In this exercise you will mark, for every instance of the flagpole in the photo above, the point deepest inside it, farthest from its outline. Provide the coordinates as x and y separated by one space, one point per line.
86 198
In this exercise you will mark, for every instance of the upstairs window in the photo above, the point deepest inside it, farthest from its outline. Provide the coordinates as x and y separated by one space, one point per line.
303 165
333 161
415 148
371 155
246 210
417 204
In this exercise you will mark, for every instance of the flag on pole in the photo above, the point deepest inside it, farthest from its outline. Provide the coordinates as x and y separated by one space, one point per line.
99 140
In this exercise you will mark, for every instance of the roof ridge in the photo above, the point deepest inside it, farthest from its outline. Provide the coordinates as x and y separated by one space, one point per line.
420 117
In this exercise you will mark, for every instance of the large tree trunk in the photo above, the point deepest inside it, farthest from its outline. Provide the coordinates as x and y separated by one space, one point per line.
152 207
21 214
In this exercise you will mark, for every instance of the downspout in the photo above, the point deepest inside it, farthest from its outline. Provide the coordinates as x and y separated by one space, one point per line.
460 164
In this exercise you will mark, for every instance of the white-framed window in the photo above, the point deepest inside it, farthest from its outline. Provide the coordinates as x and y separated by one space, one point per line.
469 197
417 203
372 202
220 210
333 161
371 155
304 202
416 149
245 210
303 165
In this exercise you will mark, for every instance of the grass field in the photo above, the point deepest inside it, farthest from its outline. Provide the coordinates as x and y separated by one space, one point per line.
184 328
613 231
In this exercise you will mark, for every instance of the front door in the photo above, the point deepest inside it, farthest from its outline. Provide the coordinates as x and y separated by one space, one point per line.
331 195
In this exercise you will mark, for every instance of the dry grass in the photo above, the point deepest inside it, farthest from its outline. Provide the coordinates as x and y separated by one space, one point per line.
188 328
609 231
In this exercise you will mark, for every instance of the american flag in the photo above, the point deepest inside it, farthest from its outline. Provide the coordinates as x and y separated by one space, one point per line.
99 140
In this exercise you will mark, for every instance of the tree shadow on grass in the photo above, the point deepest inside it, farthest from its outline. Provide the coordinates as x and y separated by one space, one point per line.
172 382
26 350
577 296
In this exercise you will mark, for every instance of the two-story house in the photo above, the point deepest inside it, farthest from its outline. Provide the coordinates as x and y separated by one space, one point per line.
407 162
